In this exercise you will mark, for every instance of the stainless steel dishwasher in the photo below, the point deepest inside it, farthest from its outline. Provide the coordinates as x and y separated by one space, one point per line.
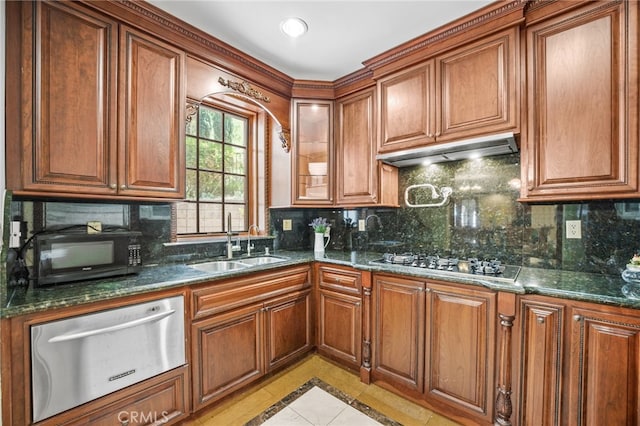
78 359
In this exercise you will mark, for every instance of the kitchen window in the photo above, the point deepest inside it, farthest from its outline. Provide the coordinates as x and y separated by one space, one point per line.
218 152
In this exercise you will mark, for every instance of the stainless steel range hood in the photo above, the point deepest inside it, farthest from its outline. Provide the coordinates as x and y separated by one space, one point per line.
503 143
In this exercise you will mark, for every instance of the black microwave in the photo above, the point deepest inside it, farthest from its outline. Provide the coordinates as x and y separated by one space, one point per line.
65 257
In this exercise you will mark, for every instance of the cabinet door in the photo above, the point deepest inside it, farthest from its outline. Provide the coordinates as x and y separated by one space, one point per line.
604 380
541 363
398 331
357 172
340 326
288 328
406 108
477 88
312 152
152 125
69 93
226 353
162 401
582 84
461 348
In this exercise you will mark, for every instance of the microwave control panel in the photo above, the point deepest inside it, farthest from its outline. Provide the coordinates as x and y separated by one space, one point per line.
134 255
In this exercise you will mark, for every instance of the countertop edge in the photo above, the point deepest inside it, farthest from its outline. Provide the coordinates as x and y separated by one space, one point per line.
559 284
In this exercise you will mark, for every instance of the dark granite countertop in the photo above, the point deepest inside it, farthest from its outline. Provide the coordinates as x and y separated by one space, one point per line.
21 301
598 288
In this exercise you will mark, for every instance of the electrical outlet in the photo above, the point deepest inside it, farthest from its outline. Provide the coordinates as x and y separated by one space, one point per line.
14 234
362 225
574 229
327 232
286 225
94 227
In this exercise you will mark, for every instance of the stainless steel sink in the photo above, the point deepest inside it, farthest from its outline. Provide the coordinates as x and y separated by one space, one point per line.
261 260
219 266
233 265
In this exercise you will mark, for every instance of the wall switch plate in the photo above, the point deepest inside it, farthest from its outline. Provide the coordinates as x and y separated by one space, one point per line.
362 225
94 227
574 229
286 224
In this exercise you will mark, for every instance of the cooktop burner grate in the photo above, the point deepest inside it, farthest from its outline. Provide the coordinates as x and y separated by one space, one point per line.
470 266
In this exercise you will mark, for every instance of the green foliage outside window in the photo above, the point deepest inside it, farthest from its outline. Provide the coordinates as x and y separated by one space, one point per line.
216 160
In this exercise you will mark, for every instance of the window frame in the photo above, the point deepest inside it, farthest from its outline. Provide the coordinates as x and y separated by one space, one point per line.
255 142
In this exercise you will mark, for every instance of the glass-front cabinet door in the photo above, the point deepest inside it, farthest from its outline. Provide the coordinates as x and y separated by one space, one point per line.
313 152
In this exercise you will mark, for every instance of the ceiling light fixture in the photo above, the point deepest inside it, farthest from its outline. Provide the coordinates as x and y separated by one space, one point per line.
294 27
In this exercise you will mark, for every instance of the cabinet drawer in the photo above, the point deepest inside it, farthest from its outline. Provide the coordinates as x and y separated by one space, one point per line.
161 400
229 294
343 280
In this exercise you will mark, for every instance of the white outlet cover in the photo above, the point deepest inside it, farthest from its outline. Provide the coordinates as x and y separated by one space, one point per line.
573 229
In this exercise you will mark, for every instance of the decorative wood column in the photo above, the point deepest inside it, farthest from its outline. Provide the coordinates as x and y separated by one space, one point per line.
504 407
506 316
365 368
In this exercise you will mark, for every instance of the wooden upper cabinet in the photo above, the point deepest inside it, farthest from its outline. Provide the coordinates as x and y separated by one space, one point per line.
88 128
152 95
467 92
406 108
69 136
582 86
312 152
478 88
360 179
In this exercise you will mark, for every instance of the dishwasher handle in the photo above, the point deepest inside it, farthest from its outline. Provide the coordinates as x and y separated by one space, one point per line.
116 327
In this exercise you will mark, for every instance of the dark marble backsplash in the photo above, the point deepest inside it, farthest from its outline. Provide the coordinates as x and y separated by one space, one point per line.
481 219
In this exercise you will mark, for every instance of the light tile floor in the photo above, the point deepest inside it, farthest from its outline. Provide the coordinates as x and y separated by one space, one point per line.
243 407
319 408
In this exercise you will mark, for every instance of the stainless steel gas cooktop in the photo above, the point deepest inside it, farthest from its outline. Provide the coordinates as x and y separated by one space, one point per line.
491 268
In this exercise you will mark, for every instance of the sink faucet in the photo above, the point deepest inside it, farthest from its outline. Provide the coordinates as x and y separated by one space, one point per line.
230 247
249 246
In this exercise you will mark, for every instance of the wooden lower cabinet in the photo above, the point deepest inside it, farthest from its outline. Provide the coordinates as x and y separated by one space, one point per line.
288 328
541 343
245 327
339 314
226 352
398 306
579 363
604 368
436 342
161 400
460 349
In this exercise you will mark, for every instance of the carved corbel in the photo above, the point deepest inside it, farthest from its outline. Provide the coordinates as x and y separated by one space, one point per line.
285 139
